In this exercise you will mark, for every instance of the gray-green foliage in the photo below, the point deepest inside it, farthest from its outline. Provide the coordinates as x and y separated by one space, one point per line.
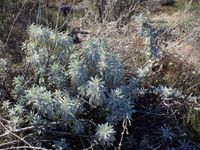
150 34
82 95
95 90
77 73
60 144
4 65
59 83
4 62
105 134
119 106
96 60
56 75
45 47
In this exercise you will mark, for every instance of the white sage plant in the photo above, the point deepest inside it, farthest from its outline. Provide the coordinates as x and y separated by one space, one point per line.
60 88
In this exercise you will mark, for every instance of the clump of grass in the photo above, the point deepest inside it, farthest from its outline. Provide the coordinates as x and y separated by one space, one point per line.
191 121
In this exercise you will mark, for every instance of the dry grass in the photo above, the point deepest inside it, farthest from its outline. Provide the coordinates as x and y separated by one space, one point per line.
185 29
172 71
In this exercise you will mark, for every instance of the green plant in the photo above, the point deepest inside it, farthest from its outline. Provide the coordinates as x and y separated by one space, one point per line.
192 122
65 96
150 34
63 83
105 134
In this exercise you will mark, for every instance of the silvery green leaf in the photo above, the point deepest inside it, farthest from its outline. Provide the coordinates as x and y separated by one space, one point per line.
105 134
60 144
95 90
119 107
77 73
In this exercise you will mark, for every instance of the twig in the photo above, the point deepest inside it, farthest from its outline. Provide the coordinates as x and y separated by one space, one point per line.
16 130
9 132
125 129
14 23
127 15
90 148
8 143
24 147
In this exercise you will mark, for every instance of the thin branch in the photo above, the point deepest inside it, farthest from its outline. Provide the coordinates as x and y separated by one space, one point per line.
9 132
15 22
125 130
9 143
24 147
